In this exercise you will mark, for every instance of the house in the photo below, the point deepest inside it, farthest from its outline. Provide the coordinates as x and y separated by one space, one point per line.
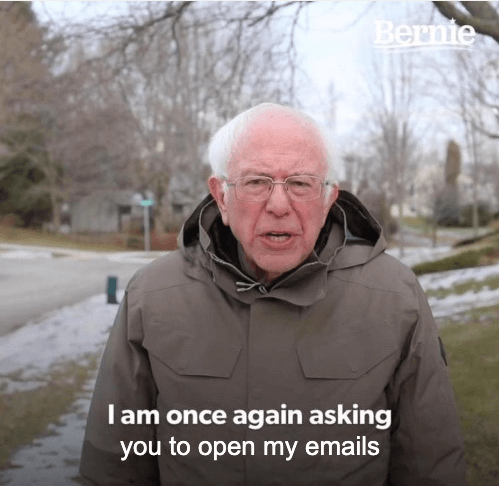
106 212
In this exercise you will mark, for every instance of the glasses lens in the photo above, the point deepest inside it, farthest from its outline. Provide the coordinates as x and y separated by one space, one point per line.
258 188
253 188
304 188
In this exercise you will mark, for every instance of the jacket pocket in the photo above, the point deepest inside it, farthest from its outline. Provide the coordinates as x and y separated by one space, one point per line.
347 356
187 355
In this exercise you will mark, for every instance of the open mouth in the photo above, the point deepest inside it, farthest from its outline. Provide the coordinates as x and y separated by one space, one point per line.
277 236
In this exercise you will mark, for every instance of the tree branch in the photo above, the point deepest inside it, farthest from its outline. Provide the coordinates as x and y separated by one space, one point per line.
484 19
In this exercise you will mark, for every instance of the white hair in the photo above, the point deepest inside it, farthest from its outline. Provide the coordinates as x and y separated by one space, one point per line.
223 143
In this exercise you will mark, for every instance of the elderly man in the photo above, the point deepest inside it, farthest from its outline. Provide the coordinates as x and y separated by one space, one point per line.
280 345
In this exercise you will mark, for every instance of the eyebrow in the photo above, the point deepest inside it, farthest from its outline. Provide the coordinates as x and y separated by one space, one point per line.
252 173
249 172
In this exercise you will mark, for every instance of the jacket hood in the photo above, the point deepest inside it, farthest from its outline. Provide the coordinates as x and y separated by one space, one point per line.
350 237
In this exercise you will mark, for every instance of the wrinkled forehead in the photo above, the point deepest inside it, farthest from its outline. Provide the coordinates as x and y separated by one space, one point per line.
279 131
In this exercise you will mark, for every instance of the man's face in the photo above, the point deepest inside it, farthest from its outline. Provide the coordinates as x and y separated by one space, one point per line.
278 234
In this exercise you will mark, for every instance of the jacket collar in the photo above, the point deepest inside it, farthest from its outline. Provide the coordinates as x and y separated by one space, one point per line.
350 237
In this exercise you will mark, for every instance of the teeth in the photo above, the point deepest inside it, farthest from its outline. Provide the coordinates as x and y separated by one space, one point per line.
278 236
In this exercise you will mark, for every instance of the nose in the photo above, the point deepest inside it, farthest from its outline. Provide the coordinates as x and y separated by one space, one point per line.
278 202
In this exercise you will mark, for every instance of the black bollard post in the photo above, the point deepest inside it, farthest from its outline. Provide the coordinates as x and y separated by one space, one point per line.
112 283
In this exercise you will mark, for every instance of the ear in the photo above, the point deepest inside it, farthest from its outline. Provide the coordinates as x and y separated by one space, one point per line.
216 188
329 201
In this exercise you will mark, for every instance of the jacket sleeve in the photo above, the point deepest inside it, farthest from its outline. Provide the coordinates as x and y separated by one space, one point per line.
125 381
426 443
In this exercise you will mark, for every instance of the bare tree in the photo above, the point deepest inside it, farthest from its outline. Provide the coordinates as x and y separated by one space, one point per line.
173 72
391 123
472 95
482 16
391 147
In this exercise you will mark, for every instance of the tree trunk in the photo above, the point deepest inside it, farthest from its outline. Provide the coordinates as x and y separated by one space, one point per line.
401 230
56 212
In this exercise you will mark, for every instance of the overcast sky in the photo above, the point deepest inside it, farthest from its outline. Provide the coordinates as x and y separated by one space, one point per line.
335 51
335 45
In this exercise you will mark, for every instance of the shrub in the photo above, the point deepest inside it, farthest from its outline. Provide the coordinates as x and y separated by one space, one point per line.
466 259
135 242
10 220
484 215
165 242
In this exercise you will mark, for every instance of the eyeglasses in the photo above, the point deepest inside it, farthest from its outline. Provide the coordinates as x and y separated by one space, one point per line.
259 188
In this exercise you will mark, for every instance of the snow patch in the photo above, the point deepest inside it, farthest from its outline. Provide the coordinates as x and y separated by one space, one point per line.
70 333
413 256
445 280
25 255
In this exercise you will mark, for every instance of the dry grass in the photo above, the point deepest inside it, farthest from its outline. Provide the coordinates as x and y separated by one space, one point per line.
94 242
24 415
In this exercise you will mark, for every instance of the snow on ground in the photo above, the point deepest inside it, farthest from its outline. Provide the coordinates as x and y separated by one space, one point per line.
29 353
455 304
69 334
415 255
15 251
445 280
452 304
25 255
27 356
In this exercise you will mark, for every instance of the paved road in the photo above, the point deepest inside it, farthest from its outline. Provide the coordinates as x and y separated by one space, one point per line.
34 280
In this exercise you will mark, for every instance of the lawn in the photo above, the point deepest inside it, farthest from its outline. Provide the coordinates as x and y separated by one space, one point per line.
94 242
473 356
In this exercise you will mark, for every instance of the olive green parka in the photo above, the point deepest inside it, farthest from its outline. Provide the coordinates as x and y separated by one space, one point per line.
350 328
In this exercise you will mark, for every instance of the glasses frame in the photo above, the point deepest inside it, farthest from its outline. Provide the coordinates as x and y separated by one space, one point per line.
273 183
